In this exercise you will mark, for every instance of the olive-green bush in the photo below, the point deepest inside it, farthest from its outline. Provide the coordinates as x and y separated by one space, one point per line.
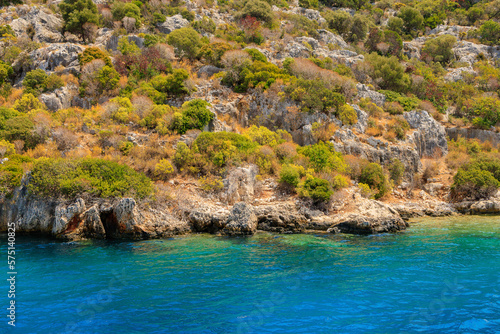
96 177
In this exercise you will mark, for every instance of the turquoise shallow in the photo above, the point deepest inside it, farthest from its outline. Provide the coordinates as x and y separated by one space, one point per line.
440 276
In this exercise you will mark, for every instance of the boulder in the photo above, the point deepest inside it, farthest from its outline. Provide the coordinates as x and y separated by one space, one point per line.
368 217
328 37
241 221
430 136
172 23
60 98
280 218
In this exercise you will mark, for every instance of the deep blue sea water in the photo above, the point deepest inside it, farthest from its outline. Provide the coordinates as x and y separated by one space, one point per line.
440 276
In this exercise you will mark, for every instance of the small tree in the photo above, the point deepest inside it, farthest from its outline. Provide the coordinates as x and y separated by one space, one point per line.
373 175
490 32
413 21
439 49
76 13
186 41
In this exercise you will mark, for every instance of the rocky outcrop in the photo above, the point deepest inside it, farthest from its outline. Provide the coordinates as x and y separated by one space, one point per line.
365 92
471 133
40 25
374 150
490 206
283 218
60 98
74 220
62 55
455 31
240 184
241 221
430 136
458 74
434 208
328 37
172 23
468 52
368 217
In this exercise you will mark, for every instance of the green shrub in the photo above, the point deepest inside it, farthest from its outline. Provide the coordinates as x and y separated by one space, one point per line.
108 79
92 53
97 177
397 171
373 175
264 136
290 175
164 169
395 24
6 72
186 41
128 48
407 103
205 25
317 189
28 102
213 52
340 21
490 32
153 117
314 96
194 115
77 13
183 156
439 49
485 112
221 147
388 72
37 81
11 173
347 115
413 21
259 9
126 9
162 87
473 184
322 157
34 81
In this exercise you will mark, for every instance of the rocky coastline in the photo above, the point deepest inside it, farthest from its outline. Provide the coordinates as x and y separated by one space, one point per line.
126 219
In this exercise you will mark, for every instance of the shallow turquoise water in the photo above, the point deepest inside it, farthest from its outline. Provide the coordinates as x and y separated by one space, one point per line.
440 276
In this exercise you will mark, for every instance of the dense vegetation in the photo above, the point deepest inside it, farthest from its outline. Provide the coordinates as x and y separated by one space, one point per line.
151 89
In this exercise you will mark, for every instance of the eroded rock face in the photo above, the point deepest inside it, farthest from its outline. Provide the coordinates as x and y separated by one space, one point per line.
240 184
60 98
430 137
365 92
241 221
172 23
374 150
58 54
74 220
280 219
45 26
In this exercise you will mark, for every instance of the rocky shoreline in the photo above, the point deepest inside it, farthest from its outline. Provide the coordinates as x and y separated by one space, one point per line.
126 219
